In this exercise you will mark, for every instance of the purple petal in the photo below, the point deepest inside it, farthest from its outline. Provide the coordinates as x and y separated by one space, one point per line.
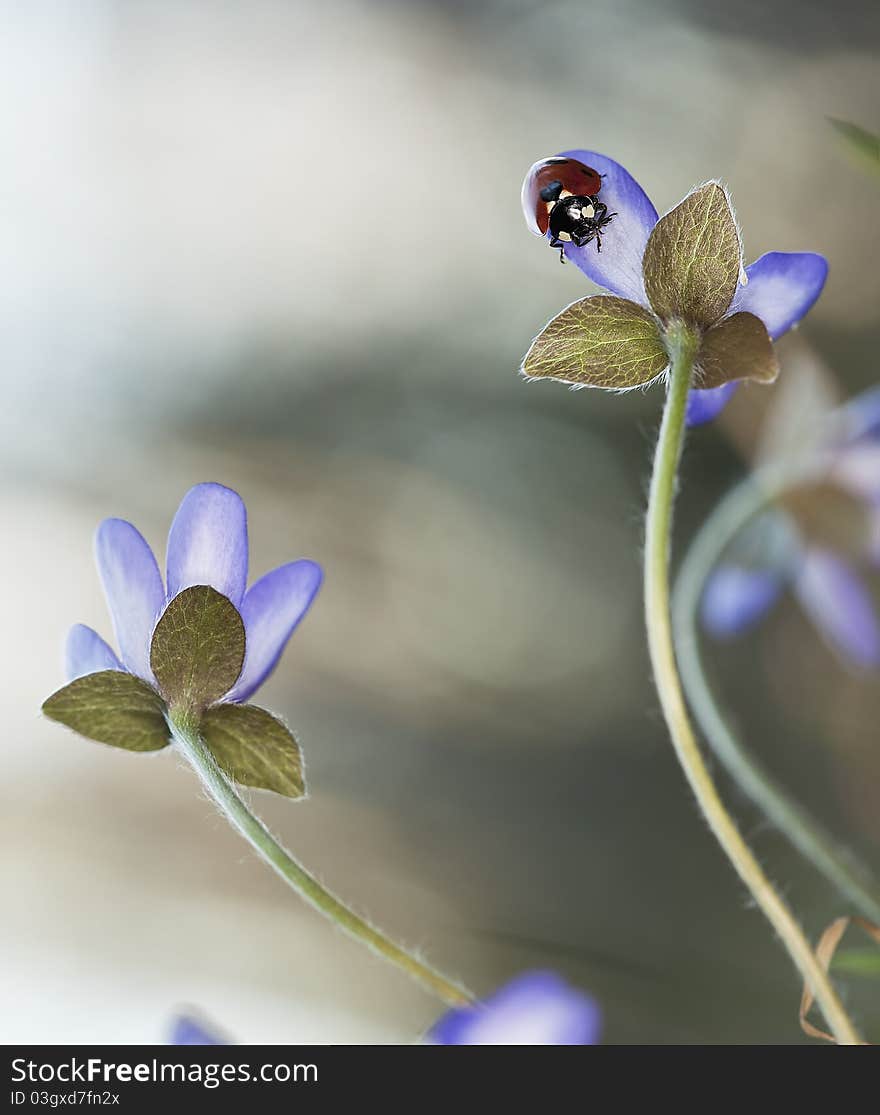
861 416
704 405
86 653
271 609
537 1008
857 468
618 267
133 587
874 538
841 606
736 598
186 1030
782 287
208 543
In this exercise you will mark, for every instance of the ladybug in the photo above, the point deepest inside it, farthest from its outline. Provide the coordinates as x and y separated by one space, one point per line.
560 196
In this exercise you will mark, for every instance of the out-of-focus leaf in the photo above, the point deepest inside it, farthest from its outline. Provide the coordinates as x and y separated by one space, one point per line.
112 707
829 516
858 962
825 951
795 419
859 140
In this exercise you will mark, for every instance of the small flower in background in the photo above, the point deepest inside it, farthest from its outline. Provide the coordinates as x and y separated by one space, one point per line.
860 419
187 1029
207 545
828 588
196 647
856 468
686 265
536 1008
821 539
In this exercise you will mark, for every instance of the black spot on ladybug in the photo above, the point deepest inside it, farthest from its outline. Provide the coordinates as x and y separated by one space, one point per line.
551 191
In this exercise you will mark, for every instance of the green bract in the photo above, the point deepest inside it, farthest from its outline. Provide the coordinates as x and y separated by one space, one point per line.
693 259
691 265
196 655
254 748
197 650
599 342
738 347
112 707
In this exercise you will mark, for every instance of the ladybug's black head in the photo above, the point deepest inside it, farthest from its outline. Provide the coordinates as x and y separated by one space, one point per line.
551 191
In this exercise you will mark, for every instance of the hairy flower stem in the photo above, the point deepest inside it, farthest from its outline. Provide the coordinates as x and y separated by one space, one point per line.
683 344
193 748
730 516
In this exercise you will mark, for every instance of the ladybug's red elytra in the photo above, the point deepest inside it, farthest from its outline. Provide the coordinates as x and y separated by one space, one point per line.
560 196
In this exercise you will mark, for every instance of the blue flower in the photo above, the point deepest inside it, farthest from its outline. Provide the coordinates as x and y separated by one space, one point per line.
860 418
827 583
830 591
781 286
186 1029
207 545
536 1008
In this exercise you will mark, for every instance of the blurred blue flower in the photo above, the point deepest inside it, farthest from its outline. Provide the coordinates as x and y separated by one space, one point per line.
828 585
829 589
857 467
781 287
536 1008
186 1029
860 418
207 545
737 597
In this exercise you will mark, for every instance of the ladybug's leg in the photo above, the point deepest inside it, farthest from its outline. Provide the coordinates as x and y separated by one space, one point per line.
555 242
582 241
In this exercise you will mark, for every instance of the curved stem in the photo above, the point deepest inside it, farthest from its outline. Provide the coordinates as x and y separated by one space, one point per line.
297 877
683 345
731 515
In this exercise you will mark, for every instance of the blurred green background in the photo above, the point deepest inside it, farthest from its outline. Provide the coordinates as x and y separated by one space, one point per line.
279 245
